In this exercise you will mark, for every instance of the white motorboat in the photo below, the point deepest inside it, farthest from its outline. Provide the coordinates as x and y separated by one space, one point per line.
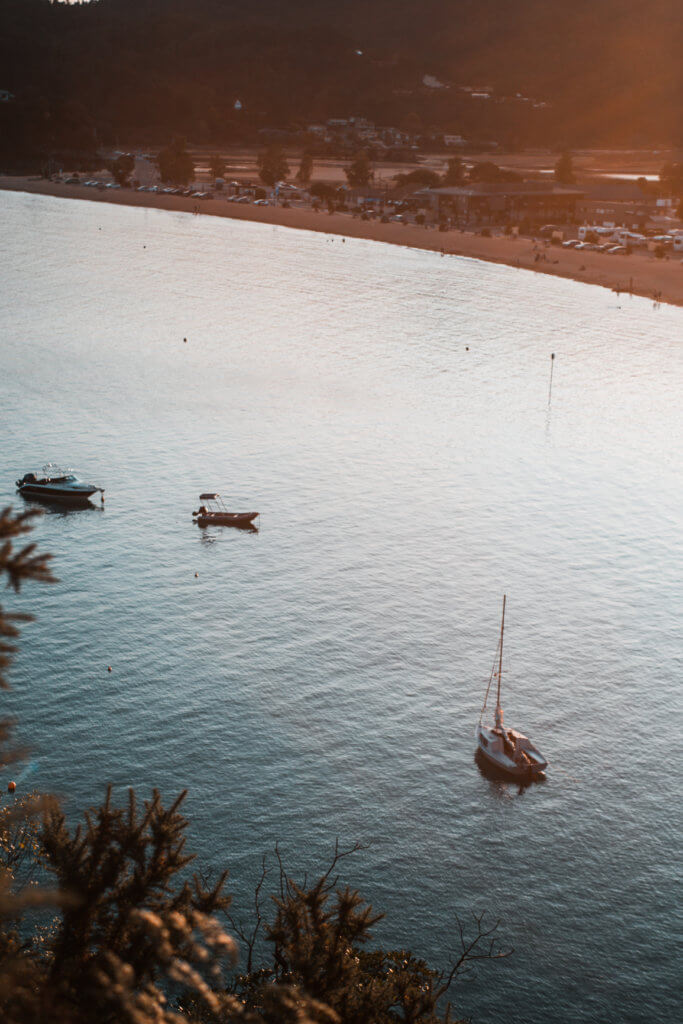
505 749
56 484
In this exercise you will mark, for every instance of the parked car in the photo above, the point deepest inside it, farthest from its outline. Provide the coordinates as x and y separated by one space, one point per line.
571 243
617 250
261 202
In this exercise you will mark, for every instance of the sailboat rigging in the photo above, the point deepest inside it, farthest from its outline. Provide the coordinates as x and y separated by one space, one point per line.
506 749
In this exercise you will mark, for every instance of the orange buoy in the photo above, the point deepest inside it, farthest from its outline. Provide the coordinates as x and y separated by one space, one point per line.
108 668
196 575
11 786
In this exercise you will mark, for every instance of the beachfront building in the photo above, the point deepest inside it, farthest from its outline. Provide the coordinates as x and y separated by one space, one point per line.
503 202
617 202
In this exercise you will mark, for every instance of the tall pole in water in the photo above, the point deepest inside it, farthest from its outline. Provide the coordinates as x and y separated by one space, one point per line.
552 363
500 658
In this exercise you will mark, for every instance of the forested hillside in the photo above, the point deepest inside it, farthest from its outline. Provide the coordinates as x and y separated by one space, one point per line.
589 72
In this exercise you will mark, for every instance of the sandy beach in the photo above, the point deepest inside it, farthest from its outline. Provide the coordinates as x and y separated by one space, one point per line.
640 272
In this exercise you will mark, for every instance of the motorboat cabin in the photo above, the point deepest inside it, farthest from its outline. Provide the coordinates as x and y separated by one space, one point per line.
56 484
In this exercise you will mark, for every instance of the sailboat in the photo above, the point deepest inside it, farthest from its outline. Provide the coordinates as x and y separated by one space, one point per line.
506 749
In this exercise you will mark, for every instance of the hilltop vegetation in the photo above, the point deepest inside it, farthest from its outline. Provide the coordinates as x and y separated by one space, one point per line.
594 72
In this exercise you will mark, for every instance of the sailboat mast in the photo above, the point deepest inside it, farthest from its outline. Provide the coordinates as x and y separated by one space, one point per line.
500 658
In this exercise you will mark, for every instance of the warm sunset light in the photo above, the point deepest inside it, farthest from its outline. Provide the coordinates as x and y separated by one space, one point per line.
340 511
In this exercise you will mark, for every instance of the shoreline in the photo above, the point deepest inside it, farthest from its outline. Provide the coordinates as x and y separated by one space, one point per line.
651 278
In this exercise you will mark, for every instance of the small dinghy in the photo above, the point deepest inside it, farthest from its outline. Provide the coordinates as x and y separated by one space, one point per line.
214 513
507 750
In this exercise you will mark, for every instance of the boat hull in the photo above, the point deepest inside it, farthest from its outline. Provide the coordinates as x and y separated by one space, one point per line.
509 752
511 771
227 519
38 492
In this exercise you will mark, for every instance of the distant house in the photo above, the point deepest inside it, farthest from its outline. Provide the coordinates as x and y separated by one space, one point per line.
454 140
432 82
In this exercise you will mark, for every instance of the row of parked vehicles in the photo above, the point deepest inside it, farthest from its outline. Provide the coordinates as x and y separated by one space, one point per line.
169 191
194 194
92 183
609 247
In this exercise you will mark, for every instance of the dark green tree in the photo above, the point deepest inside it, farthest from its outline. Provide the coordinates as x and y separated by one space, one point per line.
422 176
488 171
122 168
17 567
564 170
323 190
455 172
671 178
217 165
303 175
18 819
318 941
272 165
175 163
359 171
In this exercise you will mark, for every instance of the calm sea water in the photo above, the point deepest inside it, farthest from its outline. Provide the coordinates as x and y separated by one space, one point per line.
323 677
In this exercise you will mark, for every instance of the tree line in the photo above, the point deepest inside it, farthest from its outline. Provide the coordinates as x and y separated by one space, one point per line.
119 73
